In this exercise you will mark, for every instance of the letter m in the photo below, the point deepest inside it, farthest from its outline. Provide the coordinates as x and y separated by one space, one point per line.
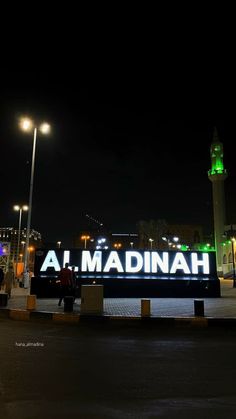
91 263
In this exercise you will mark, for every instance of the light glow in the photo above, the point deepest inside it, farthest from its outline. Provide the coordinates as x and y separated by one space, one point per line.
18 208
45 128
134 262
26 124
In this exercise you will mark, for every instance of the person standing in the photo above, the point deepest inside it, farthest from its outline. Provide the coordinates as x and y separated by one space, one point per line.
65 278
9 280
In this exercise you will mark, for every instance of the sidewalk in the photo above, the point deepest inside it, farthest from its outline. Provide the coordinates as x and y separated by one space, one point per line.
172 309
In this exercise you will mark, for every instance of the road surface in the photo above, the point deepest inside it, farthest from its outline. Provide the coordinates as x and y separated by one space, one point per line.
65 371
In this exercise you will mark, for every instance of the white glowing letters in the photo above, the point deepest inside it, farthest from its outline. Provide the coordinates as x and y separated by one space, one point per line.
133 262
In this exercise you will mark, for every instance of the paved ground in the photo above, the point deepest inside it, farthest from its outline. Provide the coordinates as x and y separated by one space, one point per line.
223 307
54 371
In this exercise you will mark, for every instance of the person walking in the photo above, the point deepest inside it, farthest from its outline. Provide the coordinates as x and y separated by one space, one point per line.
65 278
9 280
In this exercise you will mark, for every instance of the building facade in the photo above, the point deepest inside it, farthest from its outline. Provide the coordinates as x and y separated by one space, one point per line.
16 241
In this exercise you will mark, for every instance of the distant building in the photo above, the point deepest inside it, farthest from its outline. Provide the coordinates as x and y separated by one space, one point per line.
229 252
158 234
11 236
188 234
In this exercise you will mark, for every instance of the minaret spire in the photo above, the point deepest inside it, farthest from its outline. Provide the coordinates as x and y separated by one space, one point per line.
217 175
215 138
217 154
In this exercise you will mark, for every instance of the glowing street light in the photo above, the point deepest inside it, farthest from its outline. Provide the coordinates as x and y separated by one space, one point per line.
59 244
85 238
117 245
31 250
151 241
27 124
175 239
20 209
170 239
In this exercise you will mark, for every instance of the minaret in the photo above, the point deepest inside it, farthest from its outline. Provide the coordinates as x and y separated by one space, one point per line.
217 176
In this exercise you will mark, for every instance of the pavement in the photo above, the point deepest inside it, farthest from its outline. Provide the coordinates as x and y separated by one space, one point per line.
163 311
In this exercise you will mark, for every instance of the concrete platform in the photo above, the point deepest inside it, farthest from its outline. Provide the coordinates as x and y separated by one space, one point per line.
173 311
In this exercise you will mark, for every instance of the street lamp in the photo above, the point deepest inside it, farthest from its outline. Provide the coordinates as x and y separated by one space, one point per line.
27 124
59 244
233 260
20 209
31 254
151 241
170 239
85 238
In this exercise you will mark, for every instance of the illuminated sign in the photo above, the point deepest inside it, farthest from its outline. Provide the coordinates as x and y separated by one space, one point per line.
4 248
127 262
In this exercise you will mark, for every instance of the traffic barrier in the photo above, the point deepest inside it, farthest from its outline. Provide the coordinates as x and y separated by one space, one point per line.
199 308
145 308
91 299
31 302
3 299
68 303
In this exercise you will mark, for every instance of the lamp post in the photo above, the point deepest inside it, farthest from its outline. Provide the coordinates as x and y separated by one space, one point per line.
59 244
151 241
23 246
85 238
170 239
27 125
20 209
31 255
233 260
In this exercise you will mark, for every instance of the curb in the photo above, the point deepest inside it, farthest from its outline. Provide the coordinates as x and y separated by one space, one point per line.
88 319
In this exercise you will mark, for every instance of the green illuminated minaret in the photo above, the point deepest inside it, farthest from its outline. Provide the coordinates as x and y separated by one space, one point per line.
217 175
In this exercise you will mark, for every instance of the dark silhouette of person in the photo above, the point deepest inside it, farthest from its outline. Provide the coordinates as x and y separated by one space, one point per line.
74 279
65 278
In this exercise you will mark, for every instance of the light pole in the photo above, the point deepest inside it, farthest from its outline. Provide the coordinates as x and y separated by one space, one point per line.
27 125
233 260
151 241
170 239
85 238
20 209
59 244
31 255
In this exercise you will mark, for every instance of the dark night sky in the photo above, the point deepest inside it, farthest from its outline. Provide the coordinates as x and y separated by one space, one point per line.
123 148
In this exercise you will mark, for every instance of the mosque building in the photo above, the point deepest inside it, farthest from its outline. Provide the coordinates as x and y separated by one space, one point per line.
224 233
